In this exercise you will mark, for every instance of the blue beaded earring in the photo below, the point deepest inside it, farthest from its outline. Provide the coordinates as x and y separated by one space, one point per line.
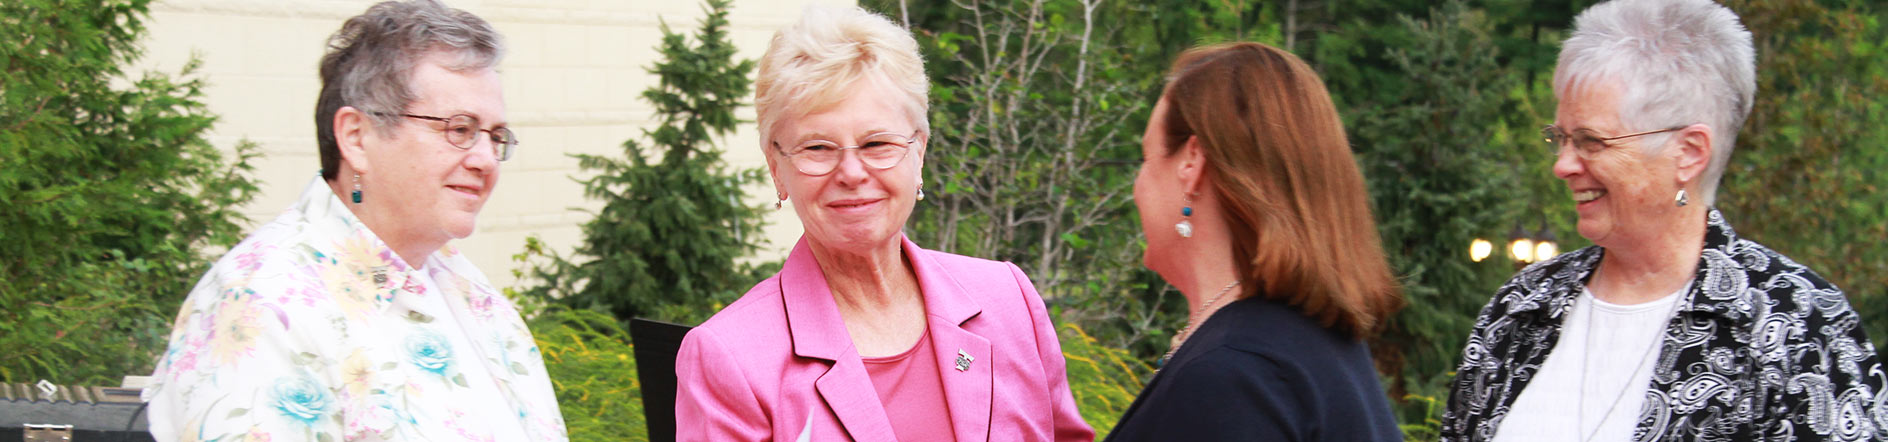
1185 227
357 188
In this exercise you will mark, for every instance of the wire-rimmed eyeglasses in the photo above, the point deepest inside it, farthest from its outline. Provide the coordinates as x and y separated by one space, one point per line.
879 151
461 131
1585 142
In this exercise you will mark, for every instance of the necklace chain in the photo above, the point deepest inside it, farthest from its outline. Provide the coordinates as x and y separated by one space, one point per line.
1591 311
1205 311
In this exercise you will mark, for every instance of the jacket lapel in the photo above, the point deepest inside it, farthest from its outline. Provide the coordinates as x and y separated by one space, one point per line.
967 391
820 333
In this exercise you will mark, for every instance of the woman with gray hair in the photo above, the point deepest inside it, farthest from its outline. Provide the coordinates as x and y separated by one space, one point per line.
863 335
348 317
1671 327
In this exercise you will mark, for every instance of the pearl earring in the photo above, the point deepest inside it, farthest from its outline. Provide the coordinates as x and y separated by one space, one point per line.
1185 227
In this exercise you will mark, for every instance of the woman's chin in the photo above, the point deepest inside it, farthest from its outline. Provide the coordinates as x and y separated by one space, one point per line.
1595 231
461 228
856 239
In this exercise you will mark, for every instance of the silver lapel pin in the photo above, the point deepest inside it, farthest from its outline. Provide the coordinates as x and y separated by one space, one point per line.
963 360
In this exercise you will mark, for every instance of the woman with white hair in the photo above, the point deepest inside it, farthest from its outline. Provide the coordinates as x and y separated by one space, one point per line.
863 335
1671 327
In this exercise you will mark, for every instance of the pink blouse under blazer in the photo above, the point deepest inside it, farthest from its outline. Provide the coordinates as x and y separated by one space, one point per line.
778 364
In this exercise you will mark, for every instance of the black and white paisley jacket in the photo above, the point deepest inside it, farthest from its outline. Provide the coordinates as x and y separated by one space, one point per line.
1761 348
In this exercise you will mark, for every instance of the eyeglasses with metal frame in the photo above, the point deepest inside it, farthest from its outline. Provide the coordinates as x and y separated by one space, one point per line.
881 150
1585 142
461 131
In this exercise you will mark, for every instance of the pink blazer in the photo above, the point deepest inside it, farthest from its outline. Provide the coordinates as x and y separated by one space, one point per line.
778 364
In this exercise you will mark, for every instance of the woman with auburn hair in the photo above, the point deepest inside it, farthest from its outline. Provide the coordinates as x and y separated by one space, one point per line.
1254 209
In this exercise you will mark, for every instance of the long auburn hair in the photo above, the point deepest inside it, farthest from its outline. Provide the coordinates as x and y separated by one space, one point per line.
1295 202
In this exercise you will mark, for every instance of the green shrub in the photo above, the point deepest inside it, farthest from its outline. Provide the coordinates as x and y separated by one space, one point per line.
1103 379
675 218
593 368
110 195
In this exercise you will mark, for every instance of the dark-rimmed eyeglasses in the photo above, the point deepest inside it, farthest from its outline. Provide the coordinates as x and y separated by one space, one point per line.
879 151
462 132
1585 142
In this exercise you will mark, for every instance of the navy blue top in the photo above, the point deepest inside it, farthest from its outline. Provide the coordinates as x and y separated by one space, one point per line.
1262 371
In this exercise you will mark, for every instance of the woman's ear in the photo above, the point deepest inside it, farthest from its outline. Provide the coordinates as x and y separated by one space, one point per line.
773 169
1192 165
923 144
1694 152
351 131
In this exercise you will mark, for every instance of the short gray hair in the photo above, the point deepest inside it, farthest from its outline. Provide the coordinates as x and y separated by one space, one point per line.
815 63
1676 62
370 60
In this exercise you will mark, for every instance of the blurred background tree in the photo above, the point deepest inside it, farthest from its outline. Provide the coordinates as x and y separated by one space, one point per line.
1807 177
112 203
661 246
1441 152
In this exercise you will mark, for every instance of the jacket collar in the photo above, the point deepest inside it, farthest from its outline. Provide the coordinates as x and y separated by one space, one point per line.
1548 289
813 316
818 331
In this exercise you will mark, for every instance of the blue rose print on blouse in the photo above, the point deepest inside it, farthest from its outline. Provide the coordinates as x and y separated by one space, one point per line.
430 352
301 399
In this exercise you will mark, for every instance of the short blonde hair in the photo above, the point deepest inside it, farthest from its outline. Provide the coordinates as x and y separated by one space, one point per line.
815 63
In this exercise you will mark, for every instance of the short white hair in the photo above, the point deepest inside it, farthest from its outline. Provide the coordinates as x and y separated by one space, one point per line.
1676 62
832 50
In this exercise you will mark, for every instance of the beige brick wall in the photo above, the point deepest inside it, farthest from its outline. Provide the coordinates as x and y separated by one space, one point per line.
573 74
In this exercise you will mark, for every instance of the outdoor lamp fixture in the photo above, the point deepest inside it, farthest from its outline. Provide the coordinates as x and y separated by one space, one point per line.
1479 249
1520 246
1545 247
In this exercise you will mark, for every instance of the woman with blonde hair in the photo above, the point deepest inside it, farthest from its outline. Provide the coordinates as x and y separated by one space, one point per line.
863 335
1254 209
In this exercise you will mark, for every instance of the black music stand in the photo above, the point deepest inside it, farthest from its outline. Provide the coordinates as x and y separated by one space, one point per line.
656 343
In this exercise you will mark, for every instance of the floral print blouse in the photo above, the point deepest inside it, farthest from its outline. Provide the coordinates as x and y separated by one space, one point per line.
1760 349
312 329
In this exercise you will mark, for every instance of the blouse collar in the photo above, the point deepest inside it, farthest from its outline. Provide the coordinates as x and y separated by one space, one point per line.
397 285
1547 290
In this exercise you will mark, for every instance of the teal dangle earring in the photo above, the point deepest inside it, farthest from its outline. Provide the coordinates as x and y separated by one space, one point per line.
357 188
1185 227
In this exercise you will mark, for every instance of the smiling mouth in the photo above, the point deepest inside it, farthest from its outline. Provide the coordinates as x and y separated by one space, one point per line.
1588 195
849 205
464 189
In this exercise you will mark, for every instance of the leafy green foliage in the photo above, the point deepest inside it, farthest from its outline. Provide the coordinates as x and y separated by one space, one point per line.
593 368
661 245
1427 424
1440 161
109 193
1807 177
1103 379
